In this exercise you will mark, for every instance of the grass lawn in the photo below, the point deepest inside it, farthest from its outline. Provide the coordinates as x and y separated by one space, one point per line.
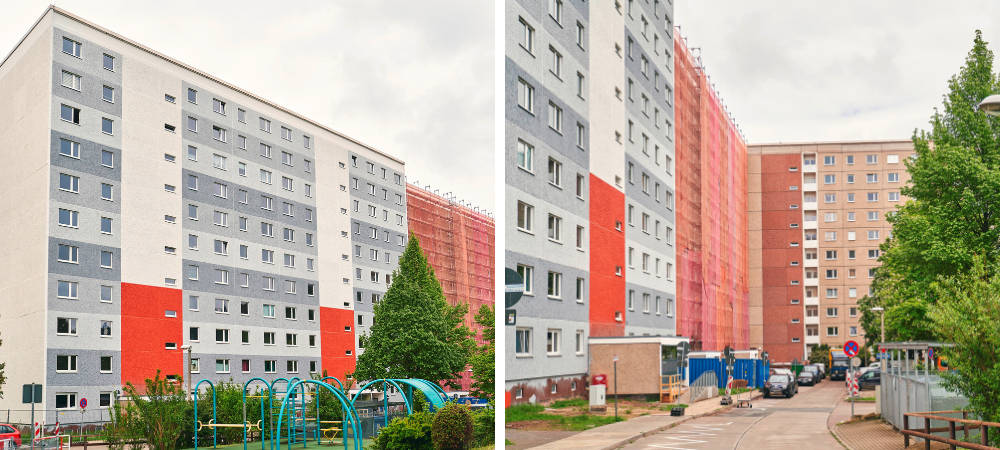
576 420
255 445
860 399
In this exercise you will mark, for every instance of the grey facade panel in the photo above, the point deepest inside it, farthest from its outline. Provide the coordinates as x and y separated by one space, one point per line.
87 370
89 161
89 261
205 196
638 318
205 284
538 304
91 90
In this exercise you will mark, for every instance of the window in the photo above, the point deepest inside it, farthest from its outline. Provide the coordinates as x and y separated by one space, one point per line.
525 95
71 47
67 289
241 115
192 96
555 228
527 36
555 117
69 148
522 342
108 94
829 160
873 196
65 363
66 326
829 179
219 134
265 125
871 178
829 198
67 400
527 275
525 212
222 365
222 335
69 114
219 106
893 177
871 159
555 285
894 196
221 276
220 218
286 184
69 218
525 155
265 176
71 80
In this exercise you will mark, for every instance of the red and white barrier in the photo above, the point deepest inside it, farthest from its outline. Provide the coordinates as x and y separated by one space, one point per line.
38 431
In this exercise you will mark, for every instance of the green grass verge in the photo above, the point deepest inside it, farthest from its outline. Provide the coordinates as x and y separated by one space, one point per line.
860 399
580 422
570 403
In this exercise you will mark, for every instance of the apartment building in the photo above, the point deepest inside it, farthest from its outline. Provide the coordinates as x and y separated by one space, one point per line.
152 206
712 249
589 183
817 218
458 241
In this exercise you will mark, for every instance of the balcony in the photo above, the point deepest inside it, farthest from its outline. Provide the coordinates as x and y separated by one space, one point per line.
814 320
812 339
811 282
810 206
809 168
811 263
808 187
810 224
812 301
810 243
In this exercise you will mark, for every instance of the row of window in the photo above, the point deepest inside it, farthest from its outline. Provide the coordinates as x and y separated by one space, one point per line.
71 254
219 106
646 299
222 337
355 183
72 114
645 224
222 365
525 223
397 178
851 274
74 48
221 218
74 81
831 236
667 273
831 197
831 255
71 183
554 281
553 342
870 178
221 277
833 274
66 326
831 160
221 190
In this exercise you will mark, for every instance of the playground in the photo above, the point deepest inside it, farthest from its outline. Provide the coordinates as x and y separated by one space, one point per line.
291 412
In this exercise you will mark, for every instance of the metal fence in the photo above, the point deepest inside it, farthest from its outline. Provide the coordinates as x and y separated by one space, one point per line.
754 371
705 386
914 391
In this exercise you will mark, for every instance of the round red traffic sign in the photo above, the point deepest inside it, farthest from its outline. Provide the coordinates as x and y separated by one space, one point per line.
83 403
851 348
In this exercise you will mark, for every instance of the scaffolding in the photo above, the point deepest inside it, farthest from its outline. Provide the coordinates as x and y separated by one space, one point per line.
711 235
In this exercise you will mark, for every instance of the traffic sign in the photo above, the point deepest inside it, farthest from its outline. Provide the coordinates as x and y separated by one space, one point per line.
930 353
83 403
856 362
511 317
513 287
851 348
31 393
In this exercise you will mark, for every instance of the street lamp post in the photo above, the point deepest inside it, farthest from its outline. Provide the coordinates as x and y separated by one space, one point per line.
616 386
187 348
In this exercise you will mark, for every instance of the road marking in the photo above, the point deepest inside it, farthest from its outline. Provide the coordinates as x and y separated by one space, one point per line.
688 436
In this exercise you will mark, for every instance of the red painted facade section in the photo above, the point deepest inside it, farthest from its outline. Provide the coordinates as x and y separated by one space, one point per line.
336 338
146 330
711 213
607 256
777 253
459 244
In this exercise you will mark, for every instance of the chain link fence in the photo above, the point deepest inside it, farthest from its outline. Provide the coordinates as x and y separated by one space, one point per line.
705 386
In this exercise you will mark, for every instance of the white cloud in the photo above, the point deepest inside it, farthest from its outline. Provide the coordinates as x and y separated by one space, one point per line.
849 70
411 78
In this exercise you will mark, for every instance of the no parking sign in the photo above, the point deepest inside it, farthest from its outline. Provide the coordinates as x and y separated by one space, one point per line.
83 403
851 348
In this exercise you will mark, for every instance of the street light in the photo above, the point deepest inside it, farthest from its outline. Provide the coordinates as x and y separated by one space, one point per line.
990 105
187 348
616 386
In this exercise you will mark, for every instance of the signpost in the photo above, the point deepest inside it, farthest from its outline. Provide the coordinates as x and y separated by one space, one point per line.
31 393
616 386
513 291
851 350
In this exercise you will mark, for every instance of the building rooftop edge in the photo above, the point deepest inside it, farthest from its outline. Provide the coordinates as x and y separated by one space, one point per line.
141 47
803 143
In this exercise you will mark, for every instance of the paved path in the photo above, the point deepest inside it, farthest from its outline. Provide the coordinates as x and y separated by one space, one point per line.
524 439
617 434
777 423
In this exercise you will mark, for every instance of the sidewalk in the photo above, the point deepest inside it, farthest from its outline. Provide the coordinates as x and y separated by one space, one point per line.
617 434
868 434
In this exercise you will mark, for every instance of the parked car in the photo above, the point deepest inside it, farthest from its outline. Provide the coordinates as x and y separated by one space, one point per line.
819 370
8 431
780 384
870 379
782 371
807 377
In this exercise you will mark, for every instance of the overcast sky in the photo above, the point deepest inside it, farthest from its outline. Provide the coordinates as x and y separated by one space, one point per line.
411 78
845 70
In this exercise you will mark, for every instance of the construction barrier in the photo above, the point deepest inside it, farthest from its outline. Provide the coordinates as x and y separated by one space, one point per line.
754 371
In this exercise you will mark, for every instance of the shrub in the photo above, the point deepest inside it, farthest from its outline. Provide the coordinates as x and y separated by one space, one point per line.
483 426
452 428
411 432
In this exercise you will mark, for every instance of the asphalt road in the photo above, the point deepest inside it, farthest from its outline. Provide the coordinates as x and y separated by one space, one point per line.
775 423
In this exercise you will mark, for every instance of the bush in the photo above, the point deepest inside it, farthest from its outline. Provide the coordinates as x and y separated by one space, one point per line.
452 428
411 432
483 430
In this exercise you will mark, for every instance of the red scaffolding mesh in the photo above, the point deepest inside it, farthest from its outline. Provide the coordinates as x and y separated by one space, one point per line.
711 181
458 242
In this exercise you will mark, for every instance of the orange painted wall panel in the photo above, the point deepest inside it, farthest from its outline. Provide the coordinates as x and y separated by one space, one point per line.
336 338
607 251
146 330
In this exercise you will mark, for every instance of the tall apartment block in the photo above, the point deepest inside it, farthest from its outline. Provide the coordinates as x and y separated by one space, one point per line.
151 206
817 218
459 244
589 183
712 265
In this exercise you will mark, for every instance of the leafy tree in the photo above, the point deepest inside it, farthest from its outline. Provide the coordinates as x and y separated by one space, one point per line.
820 354
966 314
483 361
415 332
160 414
954 209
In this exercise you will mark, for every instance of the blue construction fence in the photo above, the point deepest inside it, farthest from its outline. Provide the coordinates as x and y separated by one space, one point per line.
743 369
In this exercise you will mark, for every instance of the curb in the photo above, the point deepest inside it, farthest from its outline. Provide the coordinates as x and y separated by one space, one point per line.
670 425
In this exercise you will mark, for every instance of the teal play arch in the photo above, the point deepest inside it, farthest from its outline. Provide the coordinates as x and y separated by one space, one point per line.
350 416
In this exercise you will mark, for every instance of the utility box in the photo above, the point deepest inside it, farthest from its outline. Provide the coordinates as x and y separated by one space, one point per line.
598 397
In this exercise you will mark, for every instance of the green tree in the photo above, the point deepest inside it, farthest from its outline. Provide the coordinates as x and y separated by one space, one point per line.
954 209
160 414
483 361
820 354
966 314
415 332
